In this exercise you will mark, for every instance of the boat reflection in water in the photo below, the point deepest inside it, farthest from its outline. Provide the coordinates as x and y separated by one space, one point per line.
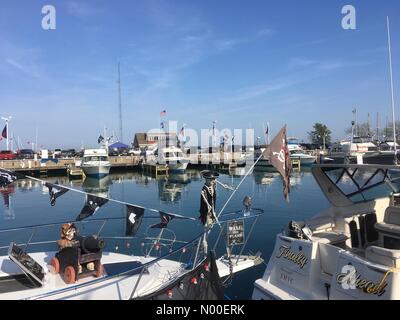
170 188
264 178
99 187
8 212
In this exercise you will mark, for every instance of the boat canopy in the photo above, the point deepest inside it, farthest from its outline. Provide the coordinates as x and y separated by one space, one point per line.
344 185
118 145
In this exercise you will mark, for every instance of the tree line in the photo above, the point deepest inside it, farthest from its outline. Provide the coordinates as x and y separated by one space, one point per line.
321 133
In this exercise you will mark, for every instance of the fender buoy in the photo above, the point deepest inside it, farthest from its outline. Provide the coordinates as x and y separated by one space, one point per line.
55 264
69 275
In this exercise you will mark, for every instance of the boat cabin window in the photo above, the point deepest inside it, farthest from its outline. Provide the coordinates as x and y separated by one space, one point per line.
364 184
95 158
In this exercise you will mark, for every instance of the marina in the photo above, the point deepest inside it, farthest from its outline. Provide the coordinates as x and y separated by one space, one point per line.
203 152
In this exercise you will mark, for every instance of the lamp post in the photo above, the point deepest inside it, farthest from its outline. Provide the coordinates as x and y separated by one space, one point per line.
7 120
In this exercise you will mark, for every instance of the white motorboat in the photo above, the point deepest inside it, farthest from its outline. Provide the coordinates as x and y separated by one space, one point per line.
348 251
297 153
173 157
95 163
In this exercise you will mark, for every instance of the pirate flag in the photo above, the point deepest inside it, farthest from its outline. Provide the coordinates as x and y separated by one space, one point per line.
277 154
7 177
165 219
92 204
134 219
55 192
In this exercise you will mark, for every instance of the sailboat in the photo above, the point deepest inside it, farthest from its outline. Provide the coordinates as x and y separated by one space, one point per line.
38 265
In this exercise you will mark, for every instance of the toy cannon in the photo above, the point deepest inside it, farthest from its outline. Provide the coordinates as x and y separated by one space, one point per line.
79 259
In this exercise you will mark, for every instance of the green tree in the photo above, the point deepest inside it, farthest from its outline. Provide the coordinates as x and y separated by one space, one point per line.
320 134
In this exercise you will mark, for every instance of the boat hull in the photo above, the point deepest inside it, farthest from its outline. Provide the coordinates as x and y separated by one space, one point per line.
98 171
179 167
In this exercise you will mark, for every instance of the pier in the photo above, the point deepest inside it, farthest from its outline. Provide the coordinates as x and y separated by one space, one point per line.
45 166
155 169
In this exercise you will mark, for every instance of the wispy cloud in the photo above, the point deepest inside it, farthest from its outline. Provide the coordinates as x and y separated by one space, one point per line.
222 45
81 9
16 65
325 65
258 90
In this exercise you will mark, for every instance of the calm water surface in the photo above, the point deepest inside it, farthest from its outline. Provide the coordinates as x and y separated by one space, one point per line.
26 202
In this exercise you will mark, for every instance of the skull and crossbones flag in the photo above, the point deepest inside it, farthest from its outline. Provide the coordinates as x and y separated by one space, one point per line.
92 204
134 219
55 191
7 177
165 219
277 153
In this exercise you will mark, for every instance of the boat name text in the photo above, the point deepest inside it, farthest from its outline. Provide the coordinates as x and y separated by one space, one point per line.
296 257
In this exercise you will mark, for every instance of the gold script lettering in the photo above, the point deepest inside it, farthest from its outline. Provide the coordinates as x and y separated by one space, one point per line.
296 257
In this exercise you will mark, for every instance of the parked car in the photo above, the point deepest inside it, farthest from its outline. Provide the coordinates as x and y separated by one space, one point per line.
25 154
70 153
7 155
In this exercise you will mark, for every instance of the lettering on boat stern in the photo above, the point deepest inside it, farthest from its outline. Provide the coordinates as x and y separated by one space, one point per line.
349 278
286 278
298 257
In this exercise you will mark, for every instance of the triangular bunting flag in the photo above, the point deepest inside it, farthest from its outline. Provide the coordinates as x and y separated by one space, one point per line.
55 192
165 219
92 204
134 219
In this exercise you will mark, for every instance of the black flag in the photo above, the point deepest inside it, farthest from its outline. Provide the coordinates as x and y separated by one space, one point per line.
165 219
134 219
7 177
92 204
55 192
100 139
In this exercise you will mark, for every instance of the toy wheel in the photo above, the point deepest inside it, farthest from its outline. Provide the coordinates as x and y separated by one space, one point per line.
55 264
69 275
99 270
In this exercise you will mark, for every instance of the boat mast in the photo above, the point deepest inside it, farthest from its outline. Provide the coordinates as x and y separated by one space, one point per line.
377 126
391 87
120 104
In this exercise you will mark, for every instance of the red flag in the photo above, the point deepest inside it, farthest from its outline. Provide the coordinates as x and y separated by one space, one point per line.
277 154
163 113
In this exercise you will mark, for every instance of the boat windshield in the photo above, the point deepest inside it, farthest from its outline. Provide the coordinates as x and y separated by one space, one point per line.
173 154
94 158
364 184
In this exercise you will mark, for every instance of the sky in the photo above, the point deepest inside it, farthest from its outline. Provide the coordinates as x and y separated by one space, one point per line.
241 63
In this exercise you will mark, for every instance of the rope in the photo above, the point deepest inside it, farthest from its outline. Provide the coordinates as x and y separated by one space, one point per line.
109 199
241 181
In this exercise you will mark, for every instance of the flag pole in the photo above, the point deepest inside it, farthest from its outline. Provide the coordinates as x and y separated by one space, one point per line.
391 87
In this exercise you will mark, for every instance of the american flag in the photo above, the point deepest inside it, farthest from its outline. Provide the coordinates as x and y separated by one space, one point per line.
163 113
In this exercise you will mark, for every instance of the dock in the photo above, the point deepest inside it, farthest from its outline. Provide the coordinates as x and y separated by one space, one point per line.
45 166
155 169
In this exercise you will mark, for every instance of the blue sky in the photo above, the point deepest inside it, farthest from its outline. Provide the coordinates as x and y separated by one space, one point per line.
241 63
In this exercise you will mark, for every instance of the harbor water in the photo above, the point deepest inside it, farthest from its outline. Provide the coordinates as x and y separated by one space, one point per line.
26 202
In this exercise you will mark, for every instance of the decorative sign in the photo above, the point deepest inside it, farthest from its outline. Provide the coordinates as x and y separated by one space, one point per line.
235 232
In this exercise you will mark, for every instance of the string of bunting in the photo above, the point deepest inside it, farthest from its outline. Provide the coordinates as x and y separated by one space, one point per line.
93 202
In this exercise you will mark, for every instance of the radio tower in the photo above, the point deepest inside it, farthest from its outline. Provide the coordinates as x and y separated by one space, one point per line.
121 138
